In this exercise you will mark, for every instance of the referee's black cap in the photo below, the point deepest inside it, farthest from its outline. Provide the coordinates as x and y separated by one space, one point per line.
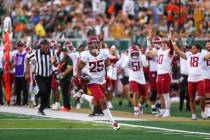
44 42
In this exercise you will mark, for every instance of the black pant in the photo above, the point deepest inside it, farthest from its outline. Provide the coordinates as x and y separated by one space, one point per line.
44 84
184 93
21 86
1 92
65 92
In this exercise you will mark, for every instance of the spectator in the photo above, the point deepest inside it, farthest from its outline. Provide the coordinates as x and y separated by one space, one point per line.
39 29
20 82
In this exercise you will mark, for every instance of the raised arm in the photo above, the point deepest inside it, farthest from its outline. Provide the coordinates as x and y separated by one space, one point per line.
179 52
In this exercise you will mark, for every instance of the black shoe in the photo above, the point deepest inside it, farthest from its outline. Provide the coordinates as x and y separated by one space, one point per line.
120 103
41 113
154 111
130 104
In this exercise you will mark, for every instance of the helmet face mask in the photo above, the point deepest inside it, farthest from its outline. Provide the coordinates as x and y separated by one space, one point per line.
134 55
134 51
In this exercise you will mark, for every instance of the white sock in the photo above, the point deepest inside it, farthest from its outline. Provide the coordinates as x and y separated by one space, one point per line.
108 115
152 106
136 108
167 100
162 111
87 97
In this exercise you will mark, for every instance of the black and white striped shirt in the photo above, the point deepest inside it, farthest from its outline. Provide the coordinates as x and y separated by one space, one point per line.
43 65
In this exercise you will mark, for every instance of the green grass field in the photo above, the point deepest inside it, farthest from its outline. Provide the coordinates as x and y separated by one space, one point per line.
23 127
26 127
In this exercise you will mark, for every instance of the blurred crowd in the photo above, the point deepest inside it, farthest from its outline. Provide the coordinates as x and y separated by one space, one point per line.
58 19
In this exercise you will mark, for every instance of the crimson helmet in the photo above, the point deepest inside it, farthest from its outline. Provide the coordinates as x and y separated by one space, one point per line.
157 40
93 45
134 51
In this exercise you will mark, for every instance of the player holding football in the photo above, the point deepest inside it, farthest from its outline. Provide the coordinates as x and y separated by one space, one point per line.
97 63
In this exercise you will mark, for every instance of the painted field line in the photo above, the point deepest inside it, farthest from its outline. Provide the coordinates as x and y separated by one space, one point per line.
31 119
172 133
159 128
155 131
56 128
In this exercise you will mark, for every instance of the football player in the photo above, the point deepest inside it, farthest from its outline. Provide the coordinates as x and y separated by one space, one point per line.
135 63
163 82
97 63
111 80
206 72
195 60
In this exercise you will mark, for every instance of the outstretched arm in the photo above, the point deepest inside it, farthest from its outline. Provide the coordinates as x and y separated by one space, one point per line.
179 52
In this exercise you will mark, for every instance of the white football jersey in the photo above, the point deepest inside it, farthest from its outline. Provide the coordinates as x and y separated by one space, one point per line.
195 63
164 61
183 66
113 60
120 63
153 61
95 66
75 58
206 65
135 67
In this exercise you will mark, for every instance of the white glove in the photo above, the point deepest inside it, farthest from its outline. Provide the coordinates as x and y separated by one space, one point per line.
60 76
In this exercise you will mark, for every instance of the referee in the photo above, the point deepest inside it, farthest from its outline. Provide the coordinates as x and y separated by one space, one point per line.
45 62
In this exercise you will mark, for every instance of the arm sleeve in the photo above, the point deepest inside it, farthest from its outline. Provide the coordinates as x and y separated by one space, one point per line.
31 56
171 52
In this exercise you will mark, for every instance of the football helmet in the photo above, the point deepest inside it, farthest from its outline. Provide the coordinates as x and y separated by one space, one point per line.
93 45
157 40
134 51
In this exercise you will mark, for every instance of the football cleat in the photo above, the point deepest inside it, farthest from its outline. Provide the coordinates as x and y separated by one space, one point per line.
161 113
154 111
115 126
204 115
166 113
78 94
194 117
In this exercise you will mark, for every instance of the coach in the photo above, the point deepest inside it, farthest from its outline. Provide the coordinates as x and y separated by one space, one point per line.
45 61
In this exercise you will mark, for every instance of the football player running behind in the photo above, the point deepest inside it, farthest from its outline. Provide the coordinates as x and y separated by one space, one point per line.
97 62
